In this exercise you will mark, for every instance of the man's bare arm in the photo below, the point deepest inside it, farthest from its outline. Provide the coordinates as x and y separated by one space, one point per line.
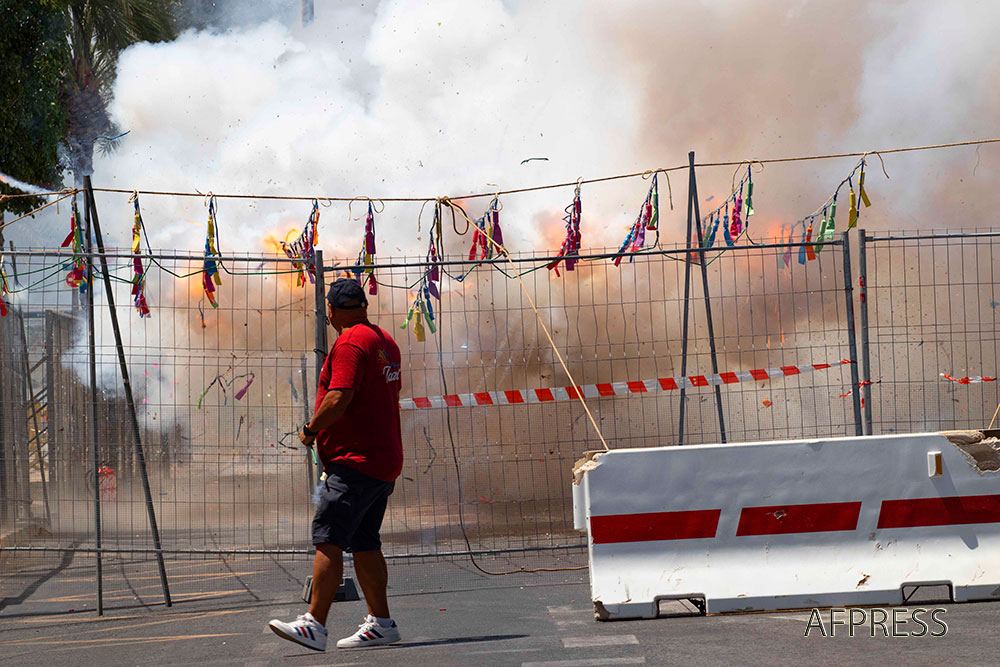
331 409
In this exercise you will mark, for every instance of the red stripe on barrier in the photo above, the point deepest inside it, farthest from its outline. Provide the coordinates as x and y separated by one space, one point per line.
759 374
483 399
422 402
820 367
790 370
699 381
452 400
729 378
667 384
544 394
950 511
637 387
786 519
513 396
686 525
572 392
605 389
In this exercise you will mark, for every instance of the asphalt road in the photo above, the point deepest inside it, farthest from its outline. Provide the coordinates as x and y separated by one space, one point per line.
449 614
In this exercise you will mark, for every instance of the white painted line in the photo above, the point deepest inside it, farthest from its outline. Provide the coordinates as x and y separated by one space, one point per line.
268 648
598 640
587 662
800 618
566 609
505 650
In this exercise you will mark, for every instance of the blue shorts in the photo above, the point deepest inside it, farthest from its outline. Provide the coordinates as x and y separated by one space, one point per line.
350 509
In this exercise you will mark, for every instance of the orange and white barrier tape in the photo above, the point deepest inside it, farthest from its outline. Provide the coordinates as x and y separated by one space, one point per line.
603 389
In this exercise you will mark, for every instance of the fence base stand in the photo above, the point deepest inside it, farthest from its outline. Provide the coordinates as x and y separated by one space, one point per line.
348 591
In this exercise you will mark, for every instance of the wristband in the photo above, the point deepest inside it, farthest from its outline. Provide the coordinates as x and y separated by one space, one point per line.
306 432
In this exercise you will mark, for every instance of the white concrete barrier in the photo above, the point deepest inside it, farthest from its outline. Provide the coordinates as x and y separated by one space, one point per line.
791 525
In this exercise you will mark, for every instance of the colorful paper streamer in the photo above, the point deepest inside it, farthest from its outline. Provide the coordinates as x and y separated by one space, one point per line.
304 248
647 220
210 277
139 277
77 276
570 249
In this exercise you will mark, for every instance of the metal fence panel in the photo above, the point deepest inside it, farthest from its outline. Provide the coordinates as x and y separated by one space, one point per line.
932 303
227 473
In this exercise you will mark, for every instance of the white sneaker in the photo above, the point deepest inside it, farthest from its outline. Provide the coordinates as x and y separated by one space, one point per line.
370 633
305 630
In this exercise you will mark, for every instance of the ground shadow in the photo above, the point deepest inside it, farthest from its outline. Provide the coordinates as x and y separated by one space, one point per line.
65 561
447 641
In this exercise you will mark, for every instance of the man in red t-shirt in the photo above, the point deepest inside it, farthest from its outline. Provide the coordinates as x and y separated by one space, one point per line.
355 429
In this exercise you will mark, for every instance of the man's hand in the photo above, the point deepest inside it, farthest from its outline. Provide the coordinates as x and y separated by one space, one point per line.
306 440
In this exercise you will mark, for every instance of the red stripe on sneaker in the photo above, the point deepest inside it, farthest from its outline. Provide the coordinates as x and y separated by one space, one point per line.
787 519
950 511
646 527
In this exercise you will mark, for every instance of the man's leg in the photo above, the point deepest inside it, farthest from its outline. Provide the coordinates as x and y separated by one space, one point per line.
374 579
328 570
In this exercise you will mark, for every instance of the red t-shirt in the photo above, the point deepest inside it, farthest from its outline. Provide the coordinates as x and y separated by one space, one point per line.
367 437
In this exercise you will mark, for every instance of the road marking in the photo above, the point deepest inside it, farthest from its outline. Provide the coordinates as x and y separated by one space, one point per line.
187 617
78 644
567 615
605 640
269 648
587 662
176 596
505 650
789 617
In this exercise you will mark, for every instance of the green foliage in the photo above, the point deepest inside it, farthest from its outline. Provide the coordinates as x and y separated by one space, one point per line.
33 56
98 31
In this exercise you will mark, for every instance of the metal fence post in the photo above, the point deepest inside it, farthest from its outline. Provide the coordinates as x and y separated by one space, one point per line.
320 344
92 413
708 301
126 383
851 340
34 418
866 362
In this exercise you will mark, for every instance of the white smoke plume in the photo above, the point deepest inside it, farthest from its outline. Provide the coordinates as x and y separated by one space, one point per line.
405 98
402 98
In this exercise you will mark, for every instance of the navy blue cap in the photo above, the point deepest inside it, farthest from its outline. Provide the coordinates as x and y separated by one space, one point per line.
347 294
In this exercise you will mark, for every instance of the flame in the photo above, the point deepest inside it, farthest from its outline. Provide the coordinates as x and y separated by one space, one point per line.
273 238
772 229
